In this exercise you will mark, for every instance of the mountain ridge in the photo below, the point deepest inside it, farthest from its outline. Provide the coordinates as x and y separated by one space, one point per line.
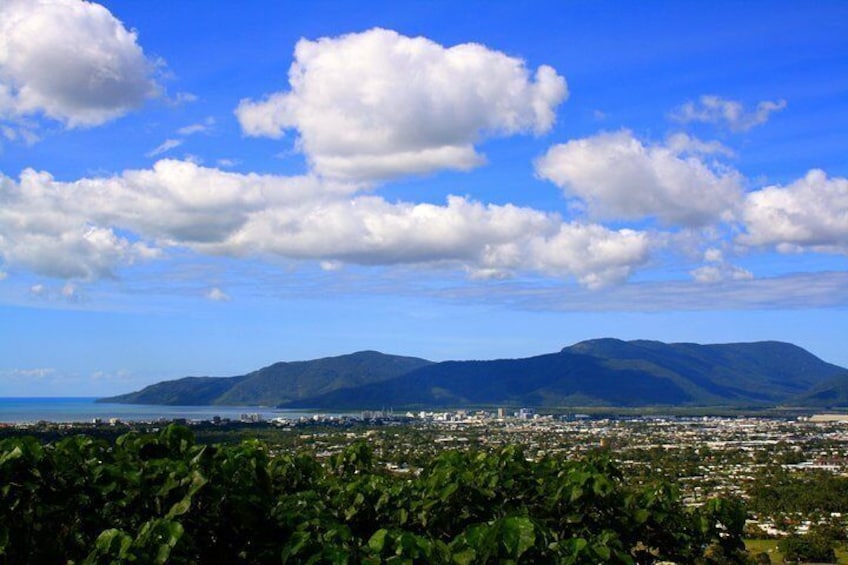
603 372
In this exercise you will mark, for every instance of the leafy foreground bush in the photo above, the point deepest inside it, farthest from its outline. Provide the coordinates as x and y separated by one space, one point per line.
163 499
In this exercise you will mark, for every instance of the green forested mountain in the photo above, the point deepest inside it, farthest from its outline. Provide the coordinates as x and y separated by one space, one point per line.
606 372
832 392
767 371
603 372
188 391
278 383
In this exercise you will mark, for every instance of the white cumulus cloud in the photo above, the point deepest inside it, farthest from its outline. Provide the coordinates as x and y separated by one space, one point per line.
496 240
728 113
809 214
618 176
70 60
596 255
48 227
91 227
378 104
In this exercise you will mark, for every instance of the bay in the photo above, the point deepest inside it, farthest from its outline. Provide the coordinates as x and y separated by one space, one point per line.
77 409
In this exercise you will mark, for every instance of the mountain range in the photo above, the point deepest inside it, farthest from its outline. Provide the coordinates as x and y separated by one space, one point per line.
600 372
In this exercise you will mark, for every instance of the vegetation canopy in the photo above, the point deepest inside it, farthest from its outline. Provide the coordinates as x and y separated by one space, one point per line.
162 498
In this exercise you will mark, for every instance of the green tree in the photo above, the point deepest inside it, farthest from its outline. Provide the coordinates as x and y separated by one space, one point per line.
812 547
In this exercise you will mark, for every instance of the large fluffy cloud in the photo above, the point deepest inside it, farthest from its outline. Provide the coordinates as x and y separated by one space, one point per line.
43 227
811 213
487 240
617 176
378 104
90 227
70 60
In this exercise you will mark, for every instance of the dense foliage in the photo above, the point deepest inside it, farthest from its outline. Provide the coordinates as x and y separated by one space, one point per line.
156 498
815 547
777 491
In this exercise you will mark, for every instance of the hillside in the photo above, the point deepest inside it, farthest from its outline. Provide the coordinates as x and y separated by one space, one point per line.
766 371
278 383
188 391
606 372
603 372
545 380
830 393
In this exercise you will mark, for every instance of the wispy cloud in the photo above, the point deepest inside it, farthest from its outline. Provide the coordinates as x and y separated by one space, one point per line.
38 373
217 295
801 291
727 113
164 147
183 98
21 130
203 127
227 163
38 290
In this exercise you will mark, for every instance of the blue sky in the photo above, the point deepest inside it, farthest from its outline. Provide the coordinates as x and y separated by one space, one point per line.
195 188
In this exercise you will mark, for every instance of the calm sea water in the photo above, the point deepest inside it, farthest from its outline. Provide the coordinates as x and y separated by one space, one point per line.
22 410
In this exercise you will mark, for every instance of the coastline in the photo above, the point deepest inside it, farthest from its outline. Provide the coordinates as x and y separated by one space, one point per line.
25 410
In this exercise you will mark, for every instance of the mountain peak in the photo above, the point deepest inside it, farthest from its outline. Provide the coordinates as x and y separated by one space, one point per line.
601 345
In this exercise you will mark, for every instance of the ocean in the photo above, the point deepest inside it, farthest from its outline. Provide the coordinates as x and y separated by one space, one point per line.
30 410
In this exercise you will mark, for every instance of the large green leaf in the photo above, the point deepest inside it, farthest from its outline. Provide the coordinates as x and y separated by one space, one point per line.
518 535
